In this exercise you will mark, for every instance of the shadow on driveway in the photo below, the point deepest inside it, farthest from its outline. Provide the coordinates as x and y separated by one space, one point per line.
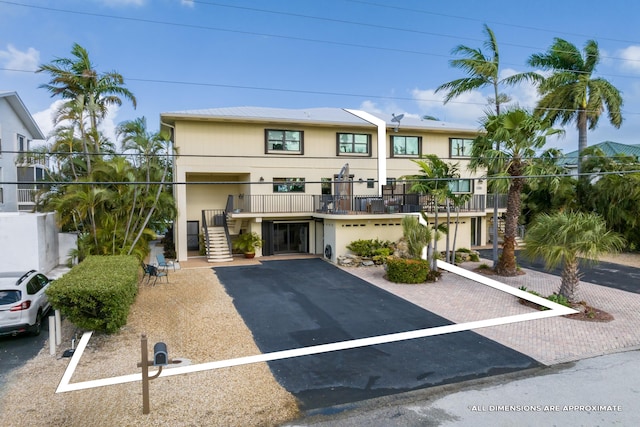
299 303
603 273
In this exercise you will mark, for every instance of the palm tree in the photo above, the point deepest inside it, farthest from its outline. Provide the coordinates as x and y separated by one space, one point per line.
484 71
562 237
434 178
571 93
519 134
77 82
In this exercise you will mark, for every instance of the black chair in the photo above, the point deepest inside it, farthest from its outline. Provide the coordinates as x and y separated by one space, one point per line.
154 272
146 268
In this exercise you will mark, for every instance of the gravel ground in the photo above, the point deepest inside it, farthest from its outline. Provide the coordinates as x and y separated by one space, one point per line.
197 320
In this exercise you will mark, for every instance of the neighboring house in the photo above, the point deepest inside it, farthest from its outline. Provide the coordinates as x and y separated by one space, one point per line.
17 130
609 148
310 181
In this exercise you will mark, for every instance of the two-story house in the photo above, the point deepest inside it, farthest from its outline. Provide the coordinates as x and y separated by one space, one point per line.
17 130
311 180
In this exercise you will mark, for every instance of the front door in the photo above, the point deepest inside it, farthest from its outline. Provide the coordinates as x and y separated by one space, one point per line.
193 240
476 231
290 238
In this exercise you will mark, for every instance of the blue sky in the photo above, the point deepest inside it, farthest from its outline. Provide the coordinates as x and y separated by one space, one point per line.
378 56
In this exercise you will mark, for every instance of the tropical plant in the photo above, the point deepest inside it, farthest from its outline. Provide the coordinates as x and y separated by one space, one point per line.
553 191
434 178
458 201
96 191
248 242
416 235
571 93
84 89
510 141
484 71
563 237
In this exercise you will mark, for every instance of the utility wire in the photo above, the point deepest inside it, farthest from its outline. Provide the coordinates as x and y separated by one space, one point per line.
377 26
398 181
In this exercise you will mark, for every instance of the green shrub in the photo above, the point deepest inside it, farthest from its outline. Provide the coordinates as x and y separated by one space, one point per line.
559 299
400 270
370 248
97 293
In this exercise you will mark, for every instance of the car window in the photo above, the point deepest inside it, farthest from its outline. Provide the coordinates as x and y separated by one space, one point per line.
33 286
10 297
43 280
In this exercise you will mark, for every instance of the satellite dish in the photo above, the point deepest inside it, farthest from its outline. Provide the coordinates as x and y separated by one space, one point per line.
396 119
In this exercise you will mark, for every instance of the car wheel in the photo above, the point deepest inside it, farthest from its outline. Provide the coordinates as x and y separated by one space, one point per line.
37 327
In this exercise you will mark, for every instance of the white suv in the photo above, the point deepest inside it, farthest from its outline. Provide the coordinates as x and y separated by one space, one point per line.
23 302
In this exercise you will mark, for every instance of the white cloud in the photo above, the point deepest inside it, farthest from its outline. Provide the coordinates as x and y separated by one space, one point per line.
44 119
188 3
18 60
631 57
465 109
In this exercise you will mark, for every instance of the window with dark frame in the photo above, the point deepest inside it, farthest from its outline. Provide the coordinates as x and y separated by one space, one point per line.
284 141
460 147
288 185
406 146
22 141
354 144
461 186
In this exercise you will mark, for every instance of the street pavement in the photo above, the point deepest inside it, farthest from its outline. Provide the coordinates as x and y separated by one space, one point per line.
601 391
602 273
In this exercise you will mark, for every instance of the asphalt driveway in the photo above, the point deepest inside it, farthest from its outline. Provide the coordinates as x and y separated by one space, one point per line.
299 303
607 274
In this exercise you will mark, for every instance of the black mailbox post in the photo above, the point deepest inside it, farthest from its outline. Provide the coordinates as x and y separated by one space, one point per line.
160 355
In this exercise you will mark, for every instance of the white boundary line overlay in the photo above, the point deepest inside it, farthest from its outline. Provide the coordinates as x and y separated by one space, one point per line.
554 310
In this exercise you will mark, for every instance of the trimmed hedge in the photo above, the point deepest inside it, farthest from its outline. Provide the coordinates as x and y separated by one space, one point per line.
97 293
400 270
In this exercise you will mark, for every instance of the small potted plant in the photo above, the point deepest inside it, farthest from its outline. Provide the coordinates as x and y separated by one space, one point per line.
247 243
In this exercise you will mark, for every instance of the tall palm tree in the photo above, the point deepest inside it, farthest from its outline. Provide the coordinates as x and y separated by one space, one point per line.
563 237
483 70
520 135
571 93
76 81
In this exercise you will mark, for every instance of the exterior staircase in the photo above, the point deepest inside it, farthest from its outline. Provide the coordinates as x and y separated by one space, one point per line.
217 246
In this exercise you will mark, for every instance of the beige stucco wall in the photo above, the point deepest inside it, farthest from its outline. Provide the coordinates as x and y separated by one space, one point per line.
234 152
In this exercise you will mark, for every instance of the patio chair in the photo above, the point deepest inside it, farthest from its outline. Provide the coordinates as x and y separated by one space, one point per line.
154 272
146 268
162 262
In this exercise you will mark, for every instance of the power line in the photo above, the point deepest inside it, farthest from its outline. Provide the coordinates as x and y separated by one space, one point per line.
525 27
487 178
307 92
203 27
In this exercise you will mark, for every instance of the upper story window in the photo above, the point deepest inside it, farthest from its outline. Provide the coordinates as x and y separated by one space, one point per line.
283 141
23 144
405 146
354 144
461 186
288 185
461 147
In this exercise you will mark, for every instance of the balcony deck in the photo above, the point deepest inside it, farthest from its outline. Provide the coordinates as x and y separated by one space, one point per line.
353 205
